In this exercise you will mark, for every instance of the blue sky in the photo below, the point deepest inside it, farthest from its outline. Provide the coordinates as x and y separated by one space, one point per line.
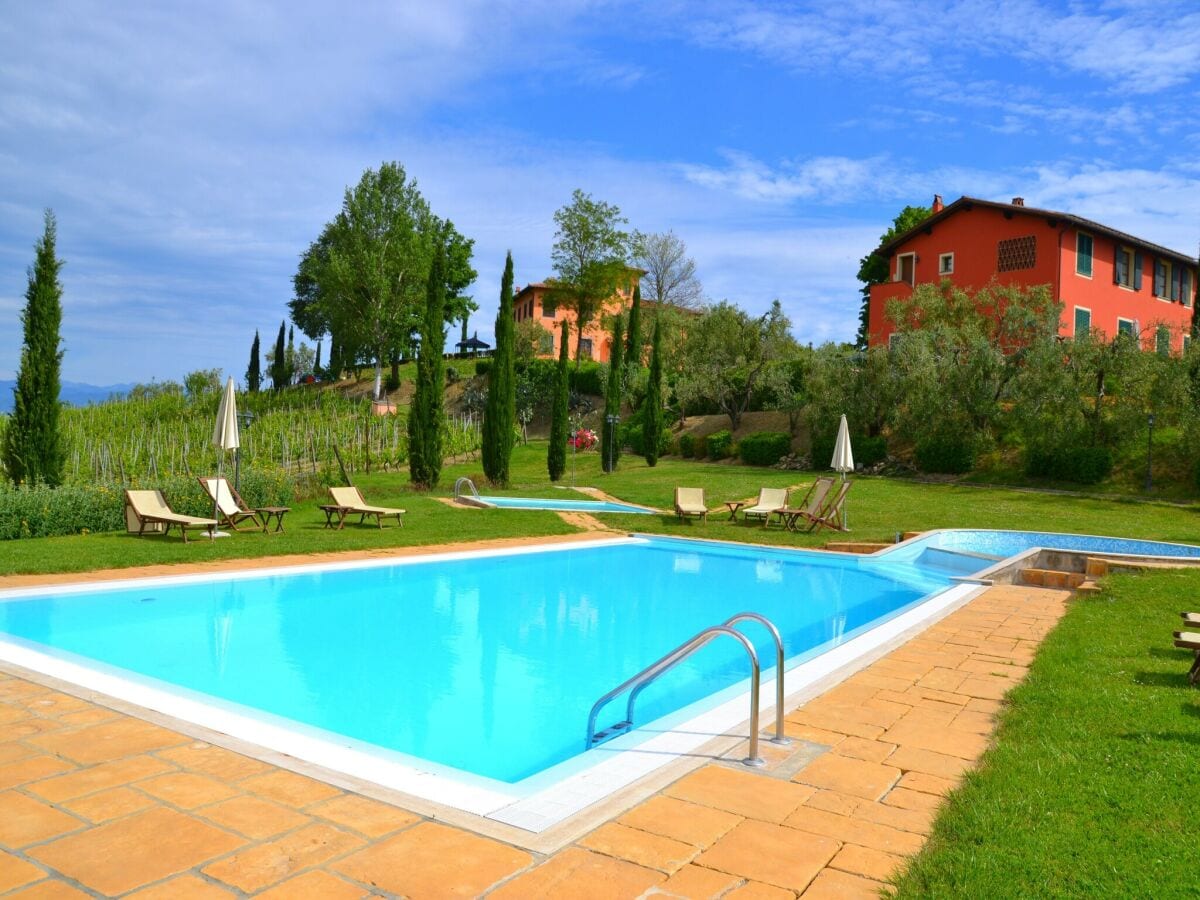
191 152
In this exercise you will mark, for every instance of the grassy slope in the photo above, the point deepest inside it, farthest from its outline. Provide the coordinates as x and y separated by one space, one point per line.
878 509
1091 787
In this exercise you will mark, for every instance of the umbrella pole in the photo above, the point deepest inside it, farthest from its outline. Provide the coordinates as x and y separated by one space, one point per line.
212 535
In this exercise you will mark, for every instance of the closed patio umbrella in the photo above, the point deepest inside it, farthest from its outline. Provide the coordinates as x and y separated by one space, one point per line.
225 437
843 458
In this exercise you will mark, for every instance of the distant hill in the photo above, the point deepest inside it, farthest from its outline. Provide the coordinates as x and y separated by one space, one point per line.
73 392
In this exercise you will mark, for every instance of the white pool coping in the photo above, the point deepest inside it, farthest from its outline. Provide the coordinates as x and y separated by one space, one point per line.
537 803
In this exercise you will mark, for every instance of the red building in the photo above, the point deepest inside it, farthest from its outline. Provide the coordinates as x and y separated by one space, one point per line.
1106 280
536 301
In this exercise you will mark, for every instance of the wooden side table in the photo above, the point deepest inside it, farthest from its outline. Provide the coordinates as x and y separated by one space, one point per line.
331 511
277 511
733 506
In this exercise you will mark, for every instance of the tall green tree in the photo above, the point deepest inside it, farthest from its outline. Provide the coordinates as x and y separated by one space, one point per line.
652 406
33 446
873 268
590 256
499 416
556 456
669 273
254 370
291 354
633 350
610 444
279 359
426 413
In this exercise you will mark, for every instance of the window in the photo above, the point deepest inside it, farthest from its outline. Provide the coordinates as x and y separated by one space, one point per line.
946 264
549 307
1016 253
1083 321
585 347
906 268
1162 341
546 343
1187 342
1125 326
1185 285
1127 268
1083 254
1162 278
894 340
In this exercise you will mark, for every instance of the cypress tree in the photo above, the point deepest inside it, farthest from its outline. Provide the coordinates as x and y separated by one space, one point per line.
291 354
254 372
33 449
633 352
426 413
556 456
317 364
652 416
279 360
500 413
610 445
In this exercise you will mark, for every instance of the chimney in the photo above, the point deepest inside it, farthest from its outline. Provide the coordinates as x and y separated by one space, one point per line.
1018 201
938 205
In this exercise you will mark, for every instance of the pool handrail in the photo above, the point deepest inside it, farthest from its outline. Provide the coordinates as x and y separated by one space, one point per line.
651 672
462 482
780 738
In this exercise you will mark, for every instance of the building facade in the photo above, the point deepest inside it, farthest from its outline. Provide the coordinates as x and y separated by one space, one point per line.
1107 281
536 301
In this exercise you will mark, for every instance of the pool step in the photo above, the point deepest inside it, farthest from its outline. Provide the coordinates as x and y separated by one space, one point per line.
1053 578
856 546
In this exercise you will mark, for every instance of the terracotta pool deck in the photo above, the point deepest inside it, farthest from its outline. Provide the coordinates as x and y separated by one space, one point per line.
98 803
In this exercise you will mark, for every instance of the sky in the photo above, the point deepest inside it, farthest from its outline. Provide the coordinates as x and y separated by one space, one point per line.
191 152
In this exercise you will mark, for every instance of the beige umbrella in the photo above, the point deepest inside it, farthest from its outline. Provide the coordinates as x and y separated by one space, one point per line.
843 458
225 437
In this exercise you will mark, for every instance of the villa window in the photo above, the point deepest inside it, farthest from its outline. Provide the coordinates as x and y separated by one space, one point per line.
1162 341
549 308
1083 321
1163 287
1126 327
1016 253
1185 285
585 347
946 264
546 344
906 268
1083 254
1127 270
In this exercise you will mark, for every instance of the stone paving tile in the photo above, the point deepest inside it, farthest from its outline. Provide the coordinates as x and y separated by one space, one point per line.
289 788
691 823
926 735
15 872
576 874
366 816
861 748
82 782
215 762
928 784
25 821
834 802
315 885
184 887
852 830
864 861
266 864
848 775
904 798
253 816
696 883
910 759
741 792
435 860
187 790
110 804
832 884
107 741
12 752
48 890
650 850
30 769
756 890
132 852
774 854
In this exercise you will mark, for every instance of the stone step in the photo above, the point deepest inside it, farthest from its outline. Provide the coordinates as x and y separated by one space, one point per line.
855 546
1052 578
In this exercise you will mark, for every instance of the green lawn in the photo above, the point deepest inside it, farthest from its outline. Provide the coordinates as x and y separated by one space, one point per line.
1090 789
879 508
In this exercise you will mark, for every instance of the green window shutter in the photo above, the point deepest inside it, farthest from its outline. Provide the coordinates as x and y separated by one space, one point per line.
1160 278
1083 254
1120 260
1162 341
1137 270
1083 321
1185 280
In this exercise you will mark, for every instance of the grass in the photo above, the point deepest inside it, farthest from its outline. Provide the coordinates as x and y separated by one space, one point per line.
879 508
1090 788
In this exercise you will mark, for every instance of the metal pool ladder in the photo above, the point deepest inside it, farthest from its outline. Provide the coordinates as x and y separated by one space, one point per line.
638 682
464 484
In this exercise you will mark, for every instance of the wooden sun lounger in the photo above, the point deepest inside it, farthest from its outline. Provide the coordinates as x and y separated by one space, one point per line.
770 501
1190 640
690 502
1190 618
229 503
830 515
349 500
148 510
810 508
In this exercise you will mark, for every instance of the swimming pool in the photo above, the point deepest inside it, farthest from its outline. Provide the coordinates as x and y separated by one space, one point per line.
591 506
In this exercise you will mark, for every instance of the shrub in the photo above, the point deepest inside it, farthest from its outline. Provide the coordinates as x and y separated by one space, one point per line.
821 450
453 376
868 450
719 444
589 378
764 448
633 435
483 366
42 511
391 382
687 447
1079 465
945 454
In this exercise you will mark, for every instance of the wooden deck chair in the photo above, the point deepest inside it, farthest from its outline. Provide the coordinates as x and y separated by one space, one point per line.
810 508
349 500
1190 640
1192 619
228 502
690 502
830 515
150 512
770 501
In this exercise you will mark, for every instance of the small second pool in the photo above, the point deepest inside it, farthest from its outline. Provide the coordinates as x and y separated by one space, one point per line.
589 506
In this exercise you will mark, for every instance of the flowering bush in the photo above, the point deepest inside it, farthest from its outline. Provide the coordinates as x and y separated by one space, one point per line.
583 439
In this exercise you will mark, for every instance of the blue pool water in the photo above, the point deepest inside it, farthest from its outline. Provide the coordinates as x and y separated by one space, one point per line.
1002 544
488 665
593 506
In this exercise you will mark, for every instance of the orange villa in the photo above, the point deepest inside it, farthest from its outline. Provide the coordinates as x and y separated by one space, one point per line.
1106 280
535 301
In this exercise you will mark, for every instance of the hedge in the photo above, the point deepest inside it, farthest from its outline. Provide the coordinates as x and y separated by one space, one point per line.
948 455
1080 465
589 378
633 436
41 511
764 448
719 444
483 366
687 446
